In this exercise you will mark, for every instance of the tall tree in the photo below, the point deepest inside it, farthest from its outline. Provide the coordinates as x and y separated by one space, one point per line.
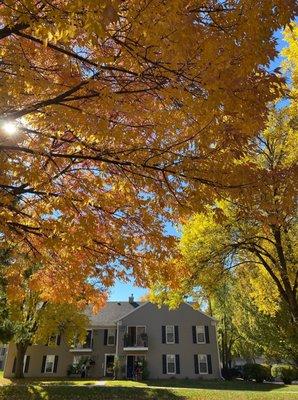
220 303
26 318
122 109
262 322
259 230
257 226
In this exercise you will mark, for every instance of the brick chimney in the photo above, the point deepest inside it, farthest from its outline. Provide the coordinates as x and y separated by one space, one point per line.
131 299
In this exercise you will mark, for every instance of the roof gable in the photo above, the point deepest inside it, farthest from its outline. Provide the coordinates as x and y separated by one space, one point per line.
112 312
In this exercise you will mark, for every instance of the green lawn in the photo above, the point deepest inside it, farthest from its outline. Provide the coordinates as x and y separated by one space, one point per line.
130 390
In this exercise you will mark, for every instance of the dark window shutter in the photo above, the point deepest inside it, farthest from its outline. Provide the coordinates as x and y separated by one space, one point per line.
55 364
209 363
105 337
163 334
195 357
177 363
115 337
14 365
176 334
26 368
164 364
43 365
58 340
194 334
207 334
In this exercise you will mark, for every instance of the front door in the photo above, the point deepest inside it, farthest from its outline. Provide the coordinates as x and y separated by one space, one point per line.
109 367
134 363
130 367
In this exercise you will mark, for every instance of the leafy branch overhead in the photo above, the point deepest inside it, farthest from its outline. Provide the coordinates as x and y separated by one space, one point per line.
129 113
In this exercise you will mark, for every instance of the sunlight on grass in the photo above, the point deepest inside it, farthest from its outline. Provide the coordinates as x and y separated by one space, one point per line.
173 389
67 382
4 381
126 383
201 389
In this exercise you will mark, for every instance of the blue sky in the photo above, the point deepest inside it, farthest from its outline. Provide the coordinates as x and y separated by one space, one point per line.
121 291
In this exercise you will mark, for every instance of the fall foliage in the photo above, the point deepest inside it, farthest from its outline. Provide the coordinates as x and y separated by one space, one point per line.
249 326
26 319
255 227
125 111
258 231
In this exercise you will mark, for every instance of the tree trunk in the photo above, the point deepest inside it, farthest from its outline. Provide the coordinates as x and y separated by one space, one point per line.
223 358
21 351
224 344
284 288
210 307
291 292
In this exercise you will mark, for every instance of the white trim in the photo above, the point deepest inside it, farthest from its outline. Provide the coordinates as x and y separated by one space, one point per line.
86 349
136 326
80 350
24 363
132 311
172 355
76 356
5 360
117 339
135 348
174 336
204 332
201 312
203 373
53 365
105 366
218 355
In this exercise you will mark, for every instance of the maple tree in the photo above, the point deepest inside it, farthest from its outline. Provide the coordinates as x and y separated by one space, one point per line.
255 226
122 109
258 231
26 319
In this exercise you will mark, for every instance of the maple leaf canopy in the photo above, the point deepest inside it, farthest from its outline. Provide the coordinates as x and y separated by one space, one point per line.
123 108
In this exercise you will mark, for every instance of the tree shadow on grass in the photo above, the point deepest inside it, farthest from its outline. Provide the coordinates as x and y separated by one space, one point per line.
216 385
51 382
52 392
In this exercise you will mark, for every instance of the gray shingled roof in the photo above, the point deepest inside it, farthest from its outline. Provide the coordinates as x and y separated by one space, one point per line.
112 312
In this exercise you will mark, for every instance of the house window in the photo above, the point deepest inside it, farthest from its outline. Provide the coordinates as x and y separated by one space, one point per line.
88 340
111 337
87 344
200 334
24 362
202 361
54 340
170 334
171 364
49 365
78 359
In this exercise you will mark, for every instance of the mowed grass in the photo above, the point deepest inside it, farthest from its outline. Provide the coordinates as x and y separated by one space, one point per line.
151 390
217 390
